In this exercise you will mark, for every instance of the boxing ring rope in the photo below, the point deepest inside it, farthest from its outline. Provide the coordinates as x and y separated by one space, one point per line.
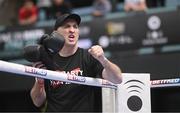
53 75
23 70
165 83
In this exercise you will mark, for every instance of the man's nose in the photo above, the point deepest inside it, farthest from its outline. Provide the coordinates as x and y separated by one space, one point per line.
72 30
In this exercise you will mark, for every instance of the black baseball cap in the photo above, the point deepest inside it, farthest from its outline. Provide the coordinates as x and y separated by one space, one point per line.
61 19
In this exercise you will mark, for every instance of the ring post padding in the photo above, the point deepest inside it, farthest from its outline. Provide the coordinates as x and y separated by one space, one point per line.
131 96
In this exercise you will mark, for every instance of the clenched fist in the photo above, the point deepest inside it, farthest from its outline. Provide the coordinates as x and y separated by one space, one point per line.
98 53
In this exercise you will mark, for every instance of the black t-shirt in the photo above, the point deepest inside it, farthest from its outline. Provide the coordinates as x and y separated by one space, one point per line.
69 97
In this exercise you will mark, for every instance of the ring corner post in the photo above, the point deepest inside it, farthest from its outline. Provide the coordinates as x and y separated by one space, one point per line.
133 94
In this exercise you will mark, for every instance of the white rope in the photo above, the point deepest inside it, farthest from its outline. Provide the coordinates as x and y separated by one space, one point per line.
23 70
165 83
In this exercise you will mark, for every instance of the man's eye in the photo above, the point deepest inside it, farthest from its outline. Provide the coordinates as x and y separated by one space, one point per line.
76 26
66 26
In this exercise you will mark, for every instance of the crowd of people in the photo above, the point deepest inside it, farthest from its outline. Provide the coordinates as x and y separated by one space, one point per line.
32 11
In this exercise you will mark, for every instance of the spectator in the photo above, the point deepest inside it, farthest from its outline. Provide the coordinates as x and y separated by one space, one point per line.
28 13
135 5
60 7
44 9
101 7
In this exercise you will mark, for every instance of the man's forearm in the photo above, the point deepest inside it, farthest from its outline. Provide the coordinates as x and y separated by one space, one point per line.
111 72
38 95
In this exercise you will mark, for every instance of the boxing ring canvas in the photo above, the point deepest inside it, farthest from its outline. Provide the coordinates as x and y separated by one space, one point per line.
131 96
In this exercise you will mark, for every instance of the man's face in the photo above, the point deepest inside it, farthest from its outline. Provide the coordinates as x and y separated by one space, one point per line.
70 31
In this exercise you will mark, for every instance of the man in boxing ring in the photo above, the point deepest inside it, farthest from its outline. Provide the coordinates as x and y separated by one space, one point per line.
72 60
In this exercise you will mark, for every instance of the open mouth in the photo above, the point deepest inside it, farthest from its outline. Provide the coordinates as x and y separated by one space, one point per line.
71 37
